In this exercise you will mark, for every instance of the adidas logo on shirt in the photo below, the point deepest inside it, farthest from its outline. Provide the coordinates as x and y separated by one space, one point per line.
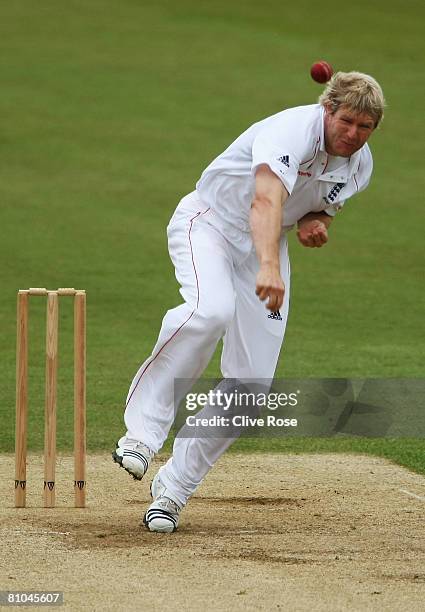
284 159
275 315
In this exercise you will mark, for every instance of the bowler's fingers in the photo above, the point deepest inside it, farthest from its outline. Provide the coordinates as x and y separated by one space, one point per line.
309 241
303 240
316 238
306 239
262 293
319 236
275 297
275 301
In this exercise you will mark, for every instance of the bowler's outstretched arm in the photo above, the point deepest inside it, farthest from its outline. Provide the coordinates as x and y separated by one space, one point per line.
266 228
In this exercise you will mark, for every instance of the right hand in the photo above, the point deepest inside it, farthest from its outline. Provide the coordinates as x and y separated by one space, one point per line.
270 286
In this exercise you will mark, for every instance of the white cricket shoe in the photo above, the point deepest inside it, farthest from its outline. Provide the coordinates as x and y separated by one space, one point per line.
157 487
134 456
163 513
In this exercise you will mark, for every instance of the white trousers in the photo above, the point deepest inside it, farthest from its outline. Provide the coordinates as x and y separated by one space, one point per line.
216 269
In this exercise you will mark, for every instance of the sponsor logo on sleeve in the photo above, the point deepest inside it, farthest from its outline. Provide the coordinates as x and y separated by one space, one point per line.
284 159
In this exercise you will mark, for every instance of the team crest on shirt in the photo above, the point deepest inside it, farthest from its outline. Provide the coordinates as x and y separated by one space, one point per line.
333 194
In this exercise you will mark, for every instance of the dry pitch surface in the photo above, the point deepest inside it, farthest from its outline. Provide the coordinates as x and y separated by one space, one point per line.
264 532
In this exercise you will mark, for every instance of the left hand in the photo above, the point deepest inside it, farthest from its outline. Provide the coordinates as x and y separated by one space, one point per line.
312 233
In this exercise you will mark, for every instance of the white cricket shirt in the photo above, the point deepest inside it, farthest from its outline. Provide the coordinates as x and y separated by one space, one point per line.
292 144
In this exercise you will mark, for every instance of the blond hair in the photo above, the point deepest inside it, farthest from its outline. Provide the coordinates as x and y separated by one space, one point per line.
359 92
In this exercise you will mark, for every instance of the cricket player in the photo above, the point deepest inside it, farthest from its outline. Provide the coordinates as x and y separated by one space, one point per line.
228 243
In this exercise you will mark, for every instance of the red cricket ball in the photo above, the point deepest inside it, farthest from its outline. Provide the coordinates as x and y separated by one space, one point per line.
321 71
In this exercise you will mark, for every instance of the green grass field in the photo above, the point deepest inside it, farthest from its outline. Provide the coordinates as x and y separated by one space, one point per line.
110 111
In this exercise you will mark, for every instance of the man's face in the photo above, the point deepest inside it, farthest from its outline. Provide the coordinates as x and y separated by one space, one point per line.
346 131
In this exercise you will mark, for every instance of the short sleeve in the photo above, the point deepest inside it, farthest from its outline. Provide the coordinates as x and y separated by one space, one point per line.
331 212
282 144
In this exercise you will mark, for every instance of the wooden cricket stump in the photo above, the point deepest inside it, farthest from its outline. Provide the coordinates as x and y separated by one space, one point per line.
52 333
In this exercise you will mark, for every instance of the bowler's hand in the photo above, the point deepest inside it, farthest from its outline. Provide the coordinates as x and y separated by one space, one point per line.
312 233
270 285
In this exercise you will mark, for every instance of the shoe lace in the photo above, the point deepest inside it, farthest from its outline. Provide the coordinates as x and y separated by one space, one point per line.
145 449
169 505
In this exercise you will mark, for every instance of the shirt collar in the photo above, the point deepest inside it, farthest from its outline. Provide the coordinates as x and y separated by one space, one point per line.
322 129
